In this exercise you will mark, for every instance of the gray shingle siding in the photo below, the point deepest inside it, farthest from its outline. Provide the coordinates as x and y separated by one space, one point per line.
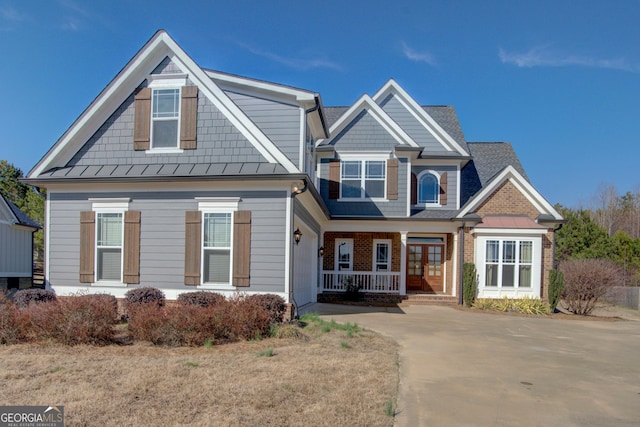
279 121
410 124
166 67
218 142
364 133
162 236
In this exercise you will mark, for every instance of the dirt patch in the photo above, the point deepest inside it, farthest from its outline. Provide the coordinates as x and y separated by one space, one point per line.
326 379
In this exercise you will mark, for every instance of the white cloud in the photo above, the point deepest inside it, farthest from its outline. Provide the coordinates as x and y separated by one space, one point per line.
416 56
300 64
544 57
9 18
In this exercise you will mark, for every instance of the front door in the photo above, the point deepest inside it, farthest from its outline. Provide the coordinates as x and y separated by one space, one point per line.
424 267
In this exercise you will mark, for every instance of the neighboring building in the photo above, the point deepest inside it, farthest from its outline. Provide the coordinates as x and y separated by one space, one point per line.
16 247
184 178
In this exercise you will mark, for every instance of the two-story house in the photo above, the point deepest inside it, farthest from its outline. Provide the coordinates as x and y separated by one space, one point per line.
184 178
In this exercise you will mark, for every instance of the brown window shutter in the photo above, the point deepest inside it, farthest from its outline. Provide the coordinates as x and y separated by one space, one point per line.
414 189
392 179
132 247
87 246
192 247
443 188
188 117
334 179
142 119
241 248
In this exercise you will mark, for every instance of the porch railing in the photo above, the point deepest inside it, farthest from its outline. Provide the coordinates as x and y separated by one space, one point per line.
376 281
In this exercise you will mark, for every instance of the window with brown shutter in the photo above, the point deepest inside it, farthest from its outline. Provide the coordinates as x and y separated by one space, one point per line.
443 188
392 179
132 247
241 248
193 246
142 119
87 246
334 179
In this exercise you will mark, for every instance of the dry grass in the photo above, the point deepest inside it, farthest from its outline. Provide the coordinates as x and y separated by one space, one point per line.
309 380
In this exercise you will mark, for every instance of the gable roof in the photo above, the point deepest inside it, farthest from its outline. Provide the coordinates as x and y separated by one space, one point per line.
160 46
509 173
391 87
366 104
18 217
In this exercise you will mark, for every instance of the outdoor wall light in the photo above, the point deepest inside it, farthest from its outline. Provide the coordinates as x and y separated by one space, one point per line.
321 251
297 235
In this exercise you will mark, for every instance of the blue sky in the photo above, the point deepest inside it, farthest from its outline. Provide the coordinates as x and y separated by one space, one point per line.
558 79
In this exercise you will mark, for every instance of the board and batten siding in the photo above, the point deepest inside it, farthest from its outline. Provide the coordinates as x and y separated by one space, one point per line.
15 251
162 236
411 125
279 121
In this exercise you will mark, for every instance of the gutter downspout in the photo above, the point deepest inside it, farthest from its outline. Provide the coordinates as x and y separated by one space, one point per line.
294 193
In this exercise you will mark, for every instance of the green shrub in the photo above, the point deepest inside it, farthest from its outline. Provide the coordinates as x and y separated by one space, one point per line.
144 296
201 298
27 297
519 305
484 304
556 283
469 283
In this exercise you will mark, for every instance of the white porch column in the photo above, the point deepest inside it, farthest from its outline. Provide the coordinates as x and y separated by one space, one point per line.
454 282
403 262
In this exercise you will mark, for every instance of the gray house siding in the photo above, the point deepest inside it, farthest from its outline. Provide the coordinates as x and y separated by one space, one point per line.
452 183
410 124
306 217
279 121
162 236
166 67
364 133
15 251
218 141
384 208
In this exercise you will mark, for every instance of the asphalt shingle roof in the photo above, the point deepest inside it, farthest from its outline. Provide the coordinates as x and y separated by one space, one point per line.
23 218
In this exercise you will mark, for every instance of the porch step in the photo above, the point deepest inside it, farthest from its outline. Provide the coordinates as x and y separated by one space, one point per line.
428 299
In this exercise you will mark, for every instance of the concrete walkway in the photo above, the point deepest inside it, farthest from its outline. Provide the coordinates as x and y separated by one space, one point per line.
461 368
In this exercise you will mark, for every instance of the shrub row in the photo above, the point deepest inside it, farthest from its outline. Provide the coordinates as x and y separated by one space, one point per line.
233 319
84 319
519 305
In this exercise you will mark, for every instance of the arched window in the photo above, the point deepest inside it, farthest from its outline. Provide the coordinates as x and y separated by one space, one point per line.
428 188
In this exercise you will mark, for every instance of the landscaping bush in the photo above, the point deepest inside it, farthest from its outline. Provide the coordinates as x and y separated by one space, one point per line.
144 296
201 298
556 283
85 319
518 305
469 283
247 319
26 297
9 321
586 281
274 304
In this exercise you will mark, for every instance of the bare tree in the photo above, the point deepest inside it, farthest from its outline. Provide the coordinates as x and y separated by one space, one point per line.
606 209
586 281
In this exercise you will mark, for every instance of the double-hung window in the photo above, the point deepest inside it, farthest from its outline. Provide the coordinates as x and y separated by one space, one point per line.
216 248
109 246
382 255
165 118
344 254
363 179
508 263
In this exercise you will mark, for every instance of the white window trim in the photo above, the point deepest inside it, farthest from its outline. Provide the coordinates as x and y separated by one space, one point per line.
514 291
337 254
217 205
388 242
363 158
108 205
438 178
166 81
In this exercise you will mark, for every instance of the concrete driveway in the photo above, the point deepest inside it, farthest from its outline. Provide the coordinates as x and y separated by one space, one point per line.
460 368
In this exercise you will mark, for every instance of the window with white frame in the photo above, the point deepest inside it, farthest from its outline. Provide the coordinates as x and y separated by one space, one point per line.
363 179
165 118
109 246
344 254
382 255
508 263
429 188
216 247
